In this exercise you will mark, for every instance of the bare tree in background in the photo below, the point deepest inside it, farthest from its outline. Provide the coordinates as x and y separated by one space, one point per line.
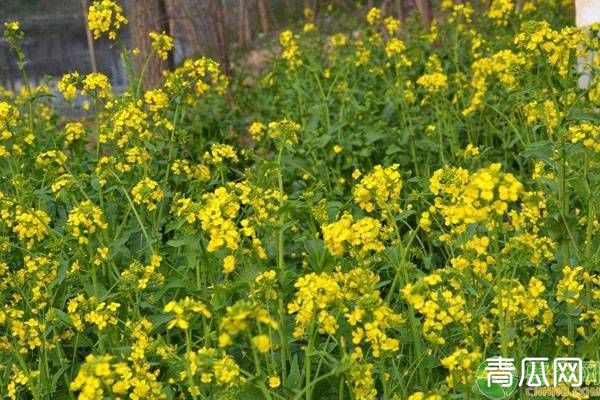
148 16
181 22
244 32
399 6
263 13
426 11
289 9
389 7
217 24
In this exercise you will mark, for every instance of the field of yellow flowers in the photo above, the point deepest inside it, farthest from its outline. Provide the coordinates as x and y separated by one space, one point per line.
370 218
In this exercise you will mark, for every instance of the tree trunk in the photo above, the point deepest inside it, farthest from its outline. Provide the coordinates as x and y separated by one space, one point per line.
180 18
289 10
148 16
218 23
399 5
264 15
424 7
244 33
385 7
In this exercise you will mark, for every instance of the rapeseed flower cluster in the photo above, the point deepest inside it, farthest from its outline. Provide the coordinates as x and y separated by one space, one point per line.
379 189
147 192
184 310
102 376
162 44
360 238
320 299
84 220
105 17
291 50
587 134
557 47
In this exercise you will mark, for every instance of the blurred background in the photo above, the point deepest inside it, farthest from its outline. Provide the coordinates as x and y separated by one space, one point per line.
57 40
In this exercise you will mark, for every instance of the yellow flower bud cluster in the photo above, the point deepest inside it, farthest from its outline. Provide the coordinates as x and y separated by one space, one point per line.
359 237
351 299
148 193
462 365
31 226
587 134
141 276
291 50
194 79
380 189
84 220
556 47
184 311
439 305
161 43
107 376
105 16
504 66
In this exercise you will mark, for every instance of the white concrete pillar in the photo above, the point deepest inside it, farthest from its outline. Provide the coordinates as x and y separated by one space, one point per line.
587 12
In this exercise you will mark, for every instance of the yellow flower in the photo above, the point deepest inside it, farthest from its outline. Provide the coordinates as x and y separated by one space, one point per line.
105 16
12 26
97 85
394 47
570 286
218 213
262 343
285 130
184 310
227 372
586 133
148 193
309 27
274 382
461 364
228 264
471 151
565 341
425 221
225 340
84 220
219 153
338 40
373 15
74 131
162 44
434 82
291 50
362 236
68 85
257 130
500 10
31 226
156 100
391 25
379 189
503 65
